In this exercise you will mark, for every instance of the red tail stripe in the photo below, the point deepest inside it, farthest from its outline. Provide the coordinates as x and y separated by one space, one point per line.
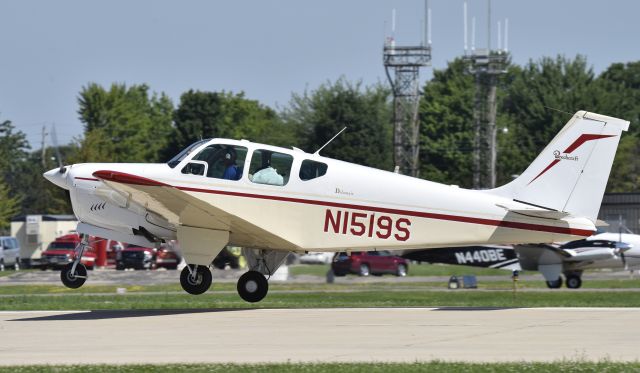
584 138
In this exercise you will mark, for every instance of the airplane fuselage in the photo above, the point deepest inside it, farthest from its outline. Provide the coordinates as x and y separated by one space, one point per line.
350 207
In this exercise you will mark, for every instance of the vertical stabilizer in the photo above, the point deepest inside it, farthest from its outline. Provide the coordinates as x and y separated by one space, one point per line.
571 173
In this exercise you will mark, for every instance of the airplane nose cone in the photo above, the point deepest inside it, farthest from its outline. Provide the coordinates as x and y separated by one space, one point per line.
58 176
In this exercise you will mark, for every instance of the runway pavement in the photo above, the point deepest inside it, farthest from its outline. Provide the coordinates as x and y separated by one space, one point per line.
331 335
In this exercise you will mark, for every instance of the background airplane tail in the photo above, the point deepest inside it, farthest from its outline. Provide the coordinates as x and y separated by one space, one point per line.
571 173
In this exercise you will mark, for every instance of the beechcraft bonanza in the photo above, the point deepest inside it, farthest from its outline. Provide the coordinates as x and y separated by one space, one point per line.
272 201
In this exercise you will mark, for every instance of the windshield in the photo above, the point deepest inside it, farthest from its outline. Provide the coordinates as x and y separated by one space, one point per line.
185 152
62 246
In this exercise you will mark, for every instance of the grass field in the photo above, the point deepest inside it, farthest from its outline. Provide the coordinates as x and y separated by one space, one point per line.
297 295
435 367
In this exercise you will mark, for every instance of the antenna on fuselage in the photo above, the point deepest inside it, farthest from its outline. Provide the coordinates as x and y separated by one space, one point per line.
328 142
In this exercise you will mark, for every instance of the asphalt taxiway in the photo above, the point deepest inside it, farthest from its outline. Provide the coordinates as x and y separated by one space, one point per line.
332 335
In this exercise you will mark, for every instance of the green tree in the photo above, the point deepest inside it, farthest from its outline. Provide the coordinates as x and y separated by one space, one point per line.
619 96
13 151
446 126
123 124
318 115
9 206
203 114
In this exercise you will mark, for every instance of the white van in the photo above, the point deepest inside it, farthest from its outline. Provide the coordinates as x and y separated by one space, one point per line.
9 252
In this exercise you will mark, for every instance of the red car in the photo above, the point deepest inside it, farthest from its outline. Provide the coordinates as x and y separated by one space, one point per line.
372 262
62 251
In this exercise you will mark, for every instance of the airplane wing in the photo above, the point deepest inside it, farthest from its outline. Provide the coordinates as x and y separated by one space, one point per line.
180 207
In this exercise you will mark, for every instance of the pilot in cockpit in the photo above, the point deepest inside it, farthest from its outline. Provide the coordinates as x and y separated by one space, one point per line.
230 167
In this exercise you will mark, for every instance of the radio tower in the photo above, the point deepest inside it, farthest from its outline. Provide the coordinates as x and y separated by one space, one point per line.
486 65
405 63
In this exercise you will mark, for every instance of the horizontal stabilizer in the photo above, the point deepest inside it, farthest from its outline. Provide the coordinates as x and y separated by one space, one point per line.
537 213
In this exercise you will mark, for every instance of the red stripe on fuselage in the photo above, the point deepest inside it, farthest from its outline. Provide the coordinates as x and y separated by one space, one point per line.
137 180
124 178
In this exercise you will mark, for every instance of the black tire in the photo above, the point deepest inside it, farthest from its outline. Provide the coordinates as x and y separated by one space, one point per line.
573 282
364 270
73 281
1 265
339 274
119 267
401 270
253 286
557 284
16 265
200 284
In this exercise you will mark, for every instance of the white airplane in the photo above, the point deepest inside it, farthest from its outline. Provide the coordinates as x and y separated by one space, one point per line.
605 250
271 201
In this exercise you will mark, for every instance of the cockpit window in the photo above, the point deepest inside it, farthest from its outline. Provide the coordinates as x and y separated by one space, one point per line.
218 161
185 152
268 167
312 169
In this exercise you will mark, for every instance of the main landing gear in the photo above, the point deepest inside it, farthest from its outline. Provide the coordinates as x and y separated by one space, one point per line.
573 280
74 274
195 279
253 286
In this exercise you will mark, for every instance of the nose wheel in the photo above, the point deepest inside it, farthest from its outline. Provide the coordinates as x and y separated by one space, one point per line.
73 279
253 286
195 279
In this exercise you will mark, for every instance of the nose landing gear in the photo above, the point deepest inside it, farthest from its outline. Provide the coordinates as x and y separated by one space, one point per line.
195 279
73 279
74 275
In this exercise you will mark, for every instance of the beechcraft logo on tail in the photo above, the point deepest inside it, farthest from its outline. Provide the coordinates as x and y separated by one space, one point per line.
558 155
565 155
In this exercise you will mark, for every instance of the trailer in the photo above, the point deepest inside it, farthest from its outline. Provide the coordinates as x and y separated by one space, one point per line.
36 232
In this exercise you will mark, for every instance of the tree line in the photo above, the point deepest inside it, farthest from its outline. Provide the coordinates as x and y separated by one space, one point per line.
133 124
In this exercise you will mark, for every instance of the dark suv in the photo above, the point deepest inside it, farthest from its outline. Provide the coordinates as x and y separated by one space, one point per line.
372 262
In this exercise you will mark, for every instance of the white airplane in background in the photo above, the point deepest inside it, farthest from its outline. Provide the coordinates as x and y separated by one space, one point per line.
617 251
271 201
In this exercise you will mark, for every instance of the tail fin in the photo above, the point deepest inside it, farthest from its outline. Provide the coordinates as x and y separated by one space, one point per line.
571 173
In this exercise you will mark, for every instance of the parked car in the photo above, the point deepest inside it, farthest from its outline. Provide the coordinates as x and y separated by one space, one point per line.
167 258
9 253
138 257
62 251
316 258
369 263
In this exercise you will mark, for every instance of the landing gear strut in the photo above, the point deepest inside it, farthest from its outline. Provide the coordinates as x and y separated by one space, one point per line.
74 275
253 286
195 279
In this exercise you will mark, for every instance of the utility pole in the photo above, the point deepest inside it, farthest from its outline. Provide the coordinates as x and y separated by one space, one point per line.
43 149
486 65
405 63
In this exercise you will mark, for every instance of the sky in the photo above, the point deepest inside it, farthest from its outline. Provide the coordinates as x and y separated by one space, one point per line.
49 50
